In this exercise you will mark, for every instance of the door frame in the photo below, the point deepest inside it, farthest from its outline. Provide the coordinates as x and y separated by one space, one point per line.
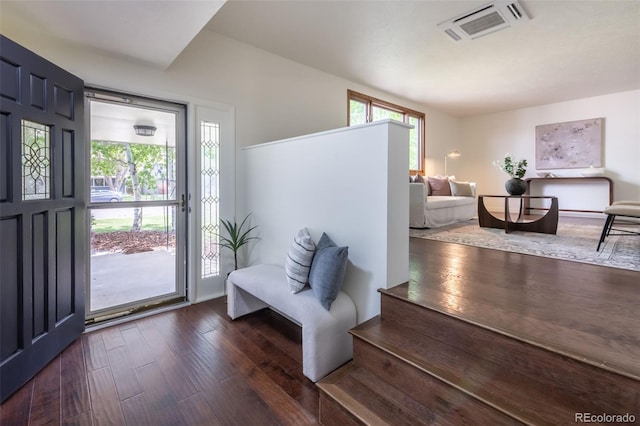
196 291
125 99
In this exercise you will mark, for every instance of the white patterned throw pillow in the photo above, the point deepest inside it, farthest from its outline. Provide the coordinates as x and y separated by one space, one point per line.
299 260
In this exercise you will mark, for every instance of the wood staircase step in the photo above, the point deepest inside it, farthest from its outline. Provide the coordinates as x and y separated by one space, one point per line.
583 321
352 387
425 367
356 396
482 390
531 368
351 410
415 364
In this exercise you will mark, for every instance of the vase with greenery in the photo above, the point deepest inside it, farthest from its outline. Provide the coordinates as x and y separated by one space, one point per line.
517 170
236 236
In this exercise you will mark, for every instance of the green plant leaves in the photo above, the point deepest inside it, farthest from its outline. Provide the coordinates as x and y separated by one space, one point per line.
236 236
515 170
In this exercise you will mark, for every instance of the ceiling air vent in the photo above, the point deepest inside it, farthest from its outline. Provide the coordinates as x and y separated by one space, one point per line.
484 20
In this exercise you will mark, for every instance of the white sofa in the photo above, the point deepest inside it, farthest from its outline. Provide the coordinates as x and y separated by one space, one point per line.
433 211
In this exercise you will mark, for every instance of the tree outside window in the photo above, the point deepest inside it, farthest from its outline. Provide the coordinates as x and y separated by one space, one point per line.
365 109
144 171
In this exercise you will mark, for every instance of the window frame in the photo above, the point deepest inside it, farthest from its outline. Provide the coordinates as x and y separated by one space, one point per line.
371 102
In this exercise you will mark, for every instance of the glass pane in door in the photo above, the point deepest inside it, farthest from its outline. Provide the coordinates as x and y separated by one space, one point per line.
126 266
138 171
36 161
136 204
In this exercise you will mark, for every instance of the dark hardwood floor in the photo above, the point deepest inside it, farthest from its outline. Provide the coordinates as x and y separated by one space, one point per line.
587 312
191 366
195 366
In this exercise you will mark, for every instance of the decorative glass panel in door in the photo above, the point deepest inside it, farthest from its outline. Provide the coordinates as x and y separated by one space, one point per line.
214 199
209 197
36 161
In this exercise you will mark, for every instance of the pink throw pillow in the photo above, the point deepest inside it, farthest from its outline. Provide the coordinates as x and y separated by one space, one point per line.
439 186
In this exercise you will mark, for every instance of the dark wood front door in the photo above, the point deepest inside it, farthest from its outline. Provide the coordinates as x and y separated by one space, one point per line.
42 213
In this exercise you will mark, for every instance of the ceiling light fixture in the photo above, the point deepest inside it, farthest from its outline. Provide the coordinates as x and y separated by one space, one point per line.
144 130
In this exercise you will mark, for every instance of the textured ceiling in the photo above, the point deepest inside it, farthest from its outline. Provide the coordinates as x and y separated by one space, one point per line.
568 50
149 32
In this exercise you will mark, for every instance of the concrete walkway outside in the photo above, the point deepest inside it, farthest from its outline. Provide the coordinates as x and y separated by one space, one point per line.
118 278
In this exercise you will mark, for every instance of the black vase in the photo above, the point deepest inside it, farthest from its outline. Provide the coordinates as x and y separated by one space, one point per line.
515 186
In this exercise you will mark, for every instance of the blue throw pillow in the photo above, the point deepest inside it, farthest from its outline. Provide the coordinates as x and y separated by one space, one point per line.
327 270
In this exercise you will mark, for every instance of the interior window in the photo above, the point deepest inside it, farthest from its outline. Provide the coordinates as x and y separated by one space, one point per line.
365 109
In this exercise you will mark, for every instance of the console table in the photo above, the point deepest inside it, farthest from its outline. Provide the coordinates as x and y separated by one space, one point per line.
528 208
547 224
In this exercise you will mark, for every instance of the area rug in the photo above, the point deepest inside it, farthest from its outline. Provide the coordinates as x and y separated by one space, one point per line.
574 242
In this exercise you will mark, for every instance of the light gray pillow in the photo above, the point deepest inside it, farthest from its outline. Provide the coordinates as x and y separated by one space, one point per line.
327 270
460 189
299 259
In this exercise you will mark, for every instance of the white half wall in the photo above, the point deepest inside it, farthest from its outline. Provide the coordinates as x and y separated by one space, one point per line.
350 183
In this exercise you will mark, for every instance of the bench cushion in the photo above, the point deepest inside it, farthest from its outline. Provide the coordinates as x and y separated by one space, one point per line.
268 283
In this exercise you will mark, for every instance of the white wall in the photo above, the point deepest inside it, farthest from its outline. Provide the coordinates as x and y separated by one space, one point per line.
486 138
442 135
276 98
314 182
273 98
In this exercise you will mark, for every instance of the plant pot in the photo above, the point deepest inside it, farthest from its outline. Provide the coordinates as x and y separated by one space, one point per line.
515 186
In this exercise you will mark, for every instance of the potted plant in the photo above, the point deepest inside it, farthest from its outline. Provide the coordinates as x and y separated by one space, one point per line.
515 185
236 237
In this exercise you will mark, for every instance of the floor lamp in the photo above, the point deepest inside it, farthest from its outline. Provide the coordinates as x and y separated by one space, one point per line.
452 154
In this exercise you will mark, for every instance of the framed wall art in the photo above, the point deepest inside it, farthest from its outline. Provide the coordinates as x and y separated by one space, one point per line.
570 145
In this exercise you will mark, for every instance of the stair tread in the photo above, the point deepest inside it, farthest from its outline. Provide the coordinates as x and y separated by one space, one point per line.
353 406
569 328
416 363
373 401
579 383
527 402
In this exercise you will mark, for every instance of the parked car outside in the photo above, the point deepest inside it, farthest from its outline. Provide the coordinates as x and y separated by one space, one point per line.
105 195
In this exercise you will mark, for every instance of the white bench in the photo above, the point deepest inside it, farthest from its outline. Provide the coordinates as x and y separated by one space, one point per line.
326 342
